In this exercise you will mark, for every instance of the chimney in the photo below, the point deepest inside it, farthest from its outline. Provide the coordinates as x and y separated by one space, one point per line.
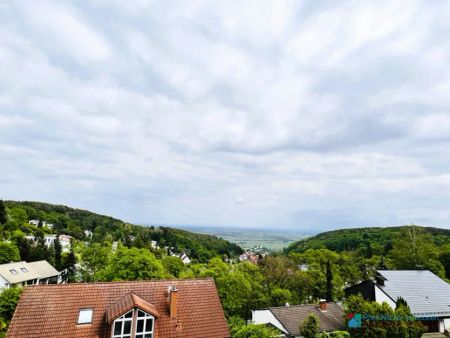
323 305
173 301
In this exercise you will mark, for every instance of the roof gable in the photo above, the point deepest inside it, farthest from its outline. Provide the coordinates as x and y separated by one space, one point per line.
128 302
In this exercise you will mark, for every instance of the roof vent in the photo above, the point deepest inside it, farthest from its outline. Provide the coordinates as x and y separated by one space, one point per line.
85 316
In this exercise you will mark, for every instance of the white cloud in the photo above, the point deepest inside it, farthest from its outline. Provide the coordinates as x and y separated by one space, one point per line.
68 33
225 113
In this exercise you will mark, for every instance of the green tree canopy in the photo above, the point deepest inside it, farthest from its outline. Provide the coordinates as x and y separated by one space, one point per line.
8 253
94 259
414 249
239 329
8 302
310 326
134 264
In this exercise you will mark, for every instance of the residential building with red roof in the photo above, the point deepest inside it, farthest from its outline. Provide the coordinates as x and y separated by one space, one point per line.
139 309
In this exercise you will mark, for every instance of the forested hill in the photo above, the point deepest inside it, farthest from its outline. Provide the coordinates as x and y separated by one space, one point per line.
74 222
379 239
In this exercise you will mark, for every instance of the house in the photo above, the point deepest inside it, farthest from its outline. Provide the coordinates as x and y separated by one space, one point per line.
23 273
427 295
154 244
185 258
289 318
156 308
64 240
36 222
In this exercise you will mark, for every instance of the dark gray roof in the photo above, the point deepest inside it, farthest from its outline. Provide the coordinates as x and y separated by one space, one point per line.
425 293
292 316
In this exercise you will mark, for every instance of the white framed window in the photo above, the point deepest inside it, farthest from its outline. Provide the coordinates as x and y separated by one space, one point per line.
122 326
85 316
144 326
135 323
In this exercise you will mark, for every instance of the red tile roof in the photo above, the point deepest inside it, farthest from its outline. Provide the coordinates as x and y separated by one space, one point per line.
52 310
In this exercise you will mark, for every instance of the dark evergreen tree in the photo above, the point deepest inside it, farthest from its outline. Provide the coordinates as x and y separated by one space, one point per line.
3 217
24 249
388 247
369 251
69 267
381 264
57 251
401 302
329 286
40 251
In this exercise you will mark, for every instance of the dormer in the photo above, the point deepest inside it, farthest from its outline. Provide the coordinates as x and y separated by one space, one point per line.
132 316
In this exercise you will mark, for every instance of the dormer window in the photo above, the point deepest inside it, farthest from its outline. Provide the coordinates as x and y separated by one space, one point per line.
136 323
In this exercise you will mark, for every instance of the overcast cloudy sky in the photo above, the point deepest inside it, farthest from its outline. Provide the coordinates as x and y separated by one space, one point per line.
304 114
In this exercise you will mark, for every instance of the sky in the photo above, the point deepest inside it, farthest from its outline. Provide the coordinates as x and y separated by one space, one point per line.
310 115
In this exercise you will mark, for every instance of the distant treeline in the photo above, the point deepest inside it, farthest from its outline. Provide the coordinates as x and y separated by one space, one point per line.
379 239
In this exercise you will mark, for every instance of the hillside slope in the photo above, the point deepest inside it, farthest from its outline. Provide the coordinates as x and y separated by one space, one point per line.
75 221
354 239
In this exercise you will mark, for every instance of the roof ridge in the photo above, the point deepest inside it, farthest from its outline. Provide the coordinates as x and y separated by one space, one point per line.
298 305
128 281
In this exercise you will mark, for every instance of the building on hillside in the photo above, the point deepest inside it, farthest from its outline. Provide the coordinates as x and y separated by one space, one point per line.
35 222
64 240
288 319
150 309
427 295
249 257
185 258
23 273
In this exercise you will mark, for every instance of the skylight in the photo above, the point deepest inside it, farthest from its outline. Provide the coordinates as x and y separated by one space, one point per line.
13 271
85 316
24 269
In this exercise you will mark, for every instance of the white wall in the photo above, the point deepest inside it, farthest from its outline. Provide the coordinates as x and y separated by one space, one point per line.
265 317
3 283
444 324
381 297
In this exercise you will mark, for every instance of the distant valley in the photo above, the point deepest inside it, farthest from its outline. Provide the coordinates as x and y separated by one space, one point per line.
272 240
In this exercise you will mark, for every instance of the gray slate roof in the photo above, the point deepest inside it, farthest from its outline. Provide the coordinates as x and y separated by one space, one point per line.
292 316
26 271
425 293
